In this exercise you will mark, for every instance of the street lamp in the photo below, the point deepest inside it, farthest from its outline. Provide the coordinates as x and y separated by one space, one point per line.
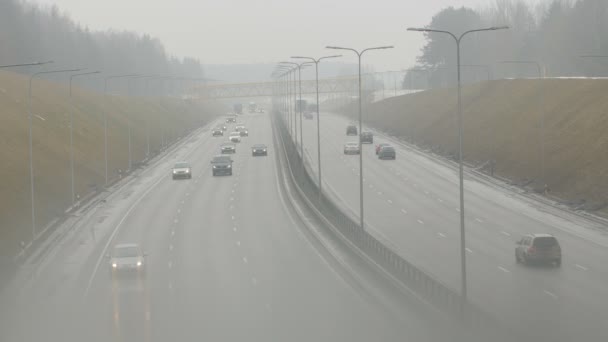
299 106
316 61
359 55
26 64
31 149
105 121
288 71
72 132
460 162
539 68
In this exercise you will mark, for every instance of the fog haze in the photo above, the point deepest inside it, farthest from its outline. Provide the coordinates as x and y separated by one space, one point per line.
244 31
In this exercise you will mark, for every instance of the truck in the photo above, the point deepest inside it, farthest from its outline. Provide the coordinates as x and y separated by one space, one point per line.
252 107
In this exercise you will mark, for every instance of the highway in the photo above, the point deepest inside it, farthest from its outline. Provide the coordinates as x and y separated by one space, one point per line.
229 259
412 204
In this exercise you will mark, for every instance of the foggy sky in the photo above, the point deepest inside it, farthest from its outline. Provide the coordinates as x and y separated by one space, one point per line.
266 31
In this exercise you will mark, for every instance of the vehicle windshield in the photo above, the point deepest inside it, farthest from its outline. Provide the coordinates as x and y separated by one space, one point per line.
545 242
182 165
259 146
126 252
221 159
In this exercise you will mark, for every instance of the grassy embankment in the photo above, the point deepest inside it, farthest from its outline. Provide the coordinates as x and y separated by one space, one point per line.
502 121
51 107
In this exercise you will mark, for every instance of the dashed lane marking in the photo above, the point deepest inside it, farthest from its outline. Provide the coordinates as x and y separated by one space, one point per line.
238 243
404 211
389 201
504 269
505 233
170 264
551 294
478 220
420 221
245 260
581 267
441 235
468 250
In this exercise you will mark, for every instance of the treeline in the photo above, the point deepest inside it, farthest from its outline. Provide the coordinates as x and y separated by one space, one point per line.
32 33
556 34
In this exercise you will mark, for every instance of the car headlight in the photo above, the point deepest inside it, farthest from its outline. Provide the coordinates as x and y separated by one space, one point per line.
114 265
174 171
229 166
214 166
264 150
139 263
188 171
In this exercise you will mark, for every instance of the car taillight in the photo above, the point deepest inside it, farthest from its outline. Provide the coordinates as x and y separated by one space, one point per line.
531 250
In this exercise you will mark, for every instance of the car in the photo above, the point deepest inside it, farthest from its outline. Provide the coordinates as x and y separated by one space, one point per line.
217 132
538 248
224 127
352 148
380 146
221 165
228 147
244 133
239 128
351 130
235 137
308 116
127 258
387 152
231 119
182 170
259 150
367 137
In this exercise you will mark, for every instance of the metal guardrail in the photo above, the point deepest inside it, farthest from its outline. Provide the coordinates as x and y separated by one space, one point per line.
432 290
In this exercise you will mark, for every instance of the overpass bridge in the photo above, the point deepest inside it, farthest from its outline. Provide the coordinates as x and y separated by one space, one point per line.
345 85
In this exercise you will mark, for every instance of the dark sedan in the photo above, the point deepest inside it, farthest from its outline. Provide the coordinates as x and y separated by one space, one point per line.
259 150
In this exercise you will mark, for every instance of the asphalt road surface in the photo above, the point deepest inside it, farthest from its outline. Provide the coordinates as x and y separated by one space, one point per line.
228 259
412 203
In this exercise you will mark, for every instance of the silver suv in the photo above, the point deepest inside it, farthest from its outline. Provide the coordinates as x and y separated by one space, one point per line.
538 248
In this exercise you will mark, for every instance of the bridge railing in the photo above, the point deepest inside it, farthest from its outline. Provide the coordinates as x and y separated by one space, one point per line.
426 286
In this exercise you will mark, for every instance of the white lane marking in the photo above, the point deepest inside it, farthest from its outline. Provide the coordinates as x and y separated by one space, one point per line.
170 248
426 192
234 218
371 186
468 250
553 295
441 235
232 190
245 260
254 281
505 233
170 264
179 211
183 202
173 233
581 267
234 229
458 209
232 198
170 286
175 221
404 211
187 194
363 179
440 200
504 269
389 201
420 221
238 243
147 315
415 185
380 193
478 220
196 181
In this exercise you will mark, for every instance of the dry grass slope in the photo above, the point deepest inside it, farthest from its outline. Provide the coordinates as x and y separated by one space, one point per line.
51 107
502 121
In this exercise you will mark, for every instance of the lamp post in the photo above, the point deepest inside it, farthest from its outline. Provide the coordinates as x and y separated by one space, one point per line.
359 55
105 120
72 133
458 39
316 61
288 71
31 149
539 68
299 105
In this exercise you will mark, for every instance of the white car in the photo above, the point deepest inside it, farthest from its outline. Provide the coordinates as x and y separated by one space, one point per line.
235 137
352 148
182 170
127 258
